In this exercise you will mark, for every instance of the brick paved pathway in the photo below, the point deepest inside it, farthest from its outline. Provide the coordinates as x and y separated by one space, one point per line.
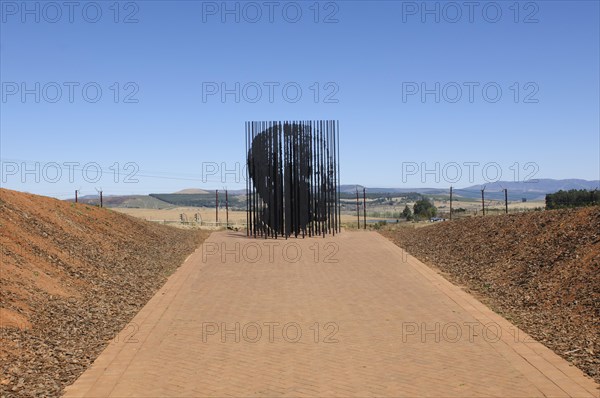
346 316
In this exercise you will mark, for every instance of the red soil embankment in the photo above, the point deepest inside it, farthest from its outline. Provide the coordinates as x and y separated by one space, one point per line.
72 276
541 270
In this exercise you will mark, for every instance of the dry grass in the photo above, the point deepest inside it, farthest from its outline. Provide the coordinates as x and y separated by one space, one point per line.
207 215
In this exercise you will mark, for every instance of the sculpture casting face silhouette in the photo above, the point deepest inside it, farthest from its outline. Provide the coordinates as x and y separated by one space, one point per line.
292 172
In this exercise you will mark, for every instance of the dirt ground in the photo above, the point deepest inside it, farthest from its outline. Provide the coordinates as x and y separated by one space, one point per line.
72 277
206 214
541 270
331 321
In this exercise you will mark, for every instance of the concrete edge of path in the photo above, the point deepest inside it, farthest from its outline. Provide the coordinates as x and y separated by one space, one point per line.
540 362
117 355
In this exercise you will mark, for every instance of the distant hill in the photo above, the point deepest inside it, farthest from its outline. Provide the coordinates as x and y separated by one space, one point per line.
199 200
532 190
192 191
128 201
348 188
197 191
542 185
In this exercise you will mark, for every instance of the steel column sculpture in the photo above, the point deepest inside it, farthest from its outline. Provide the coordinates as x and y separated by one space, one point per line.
292 179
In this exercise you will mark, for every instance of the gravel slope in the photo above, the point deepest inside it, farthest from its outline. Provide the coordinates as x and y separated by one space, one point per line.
73 276
541 270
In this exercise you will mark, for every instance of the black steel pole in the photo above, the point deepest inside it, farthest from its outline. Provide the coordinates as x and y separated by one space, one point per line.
247 190
292 178
450 203
365 208
482 202
339 187
357 210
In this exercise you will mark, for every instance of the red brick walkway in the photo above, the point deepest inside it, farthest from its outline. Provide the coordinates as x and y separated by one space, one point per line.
346 316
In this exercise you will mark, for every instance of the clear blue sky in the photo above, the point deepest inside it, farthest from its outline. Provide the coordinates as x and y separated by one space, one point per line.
365 64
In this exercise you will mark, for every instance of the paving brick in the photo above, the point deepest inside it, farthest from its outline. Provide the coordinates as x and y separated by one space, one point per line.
390 316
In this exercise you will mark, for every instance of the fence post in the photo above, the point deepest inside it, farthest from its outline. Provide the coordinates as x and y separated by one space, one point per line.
364 208
450 202
216 207
482 202
357 211
226 210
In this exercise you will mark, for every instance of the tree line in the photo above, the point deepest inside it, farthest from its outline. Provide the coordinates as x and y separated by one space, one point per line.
572 198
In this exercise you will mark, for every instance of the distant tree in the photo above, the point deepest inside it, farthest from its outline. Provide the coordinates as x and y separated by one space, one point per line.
423 208
572 198
407 213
